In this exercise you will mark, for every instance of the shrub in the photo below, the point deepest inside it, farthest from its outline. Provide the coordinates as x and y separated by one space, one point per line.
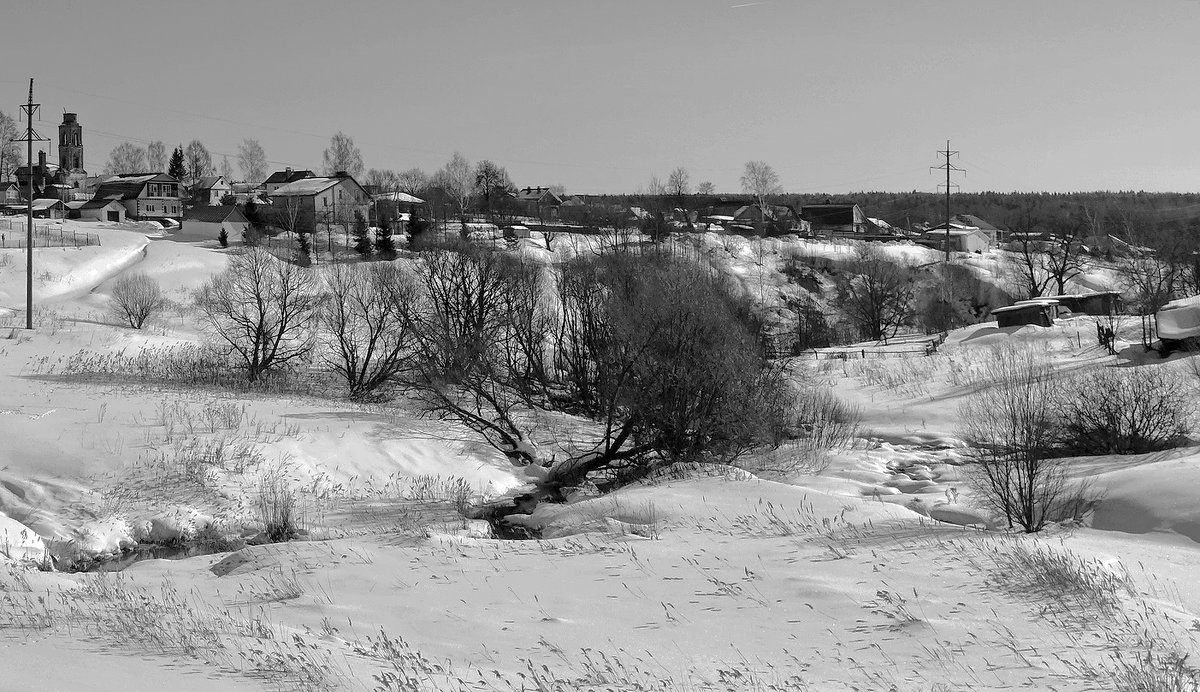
1109 410
278 507
135 298
1011 427
223 238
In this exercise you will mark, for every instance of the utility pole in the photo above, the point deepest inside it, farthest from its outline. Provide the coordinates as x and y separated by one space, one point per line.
949 168
30 137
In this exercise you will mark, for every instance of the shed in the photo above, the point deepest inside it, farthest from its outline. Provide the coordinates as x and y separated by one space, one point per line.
49 209
208 221
1092 303
1039 312
103 210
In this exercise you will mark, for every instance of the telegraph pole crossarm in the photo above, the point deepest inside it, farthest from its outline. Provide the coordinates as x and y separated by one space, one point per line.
949 168
30 108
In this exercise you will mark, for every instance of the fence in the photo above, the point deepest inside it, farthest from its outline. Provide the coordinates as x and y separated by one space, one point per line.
12 235
915 350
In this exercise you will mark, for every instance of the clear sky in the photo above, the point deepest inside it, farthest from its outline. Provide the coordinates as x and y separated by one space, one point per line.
837 95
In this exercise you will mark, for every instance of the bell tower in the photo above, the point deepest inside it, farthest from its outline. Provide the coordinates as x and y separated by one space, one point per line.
70 144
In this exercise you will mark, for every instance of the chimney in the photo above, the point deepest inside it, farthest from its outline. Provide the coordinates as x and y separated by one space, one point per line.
42 162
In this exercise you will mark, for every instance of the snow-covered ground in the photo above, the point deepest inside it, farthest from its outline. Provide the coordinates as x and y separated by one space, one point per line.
878 572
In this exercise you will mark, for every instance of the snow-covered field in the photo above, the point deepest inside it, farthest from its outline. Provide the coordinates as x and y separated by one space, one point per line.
876 573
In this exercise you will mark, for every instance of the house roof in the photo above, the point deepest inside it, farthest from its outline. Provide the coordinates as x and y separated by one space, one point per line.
972 220
98 203
955 231
311 186
534 194
47 203
214 214
208 182
401 197
282 177
129 186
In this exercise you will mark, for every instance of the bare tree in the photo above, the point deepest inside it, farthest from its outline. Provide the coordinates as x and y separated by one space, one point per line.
156 157
456 179
252 159
381 179
679 183
135 298
412 180
1010 426
876 294
1108 410
343 155
705 188
9 155
367 322
126 158
262 309
761 181
199 161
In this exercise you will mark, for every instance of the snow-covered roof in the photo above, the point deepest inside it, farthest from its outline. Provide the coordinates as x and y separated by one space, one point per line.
401 197
305 187
44 204
955 231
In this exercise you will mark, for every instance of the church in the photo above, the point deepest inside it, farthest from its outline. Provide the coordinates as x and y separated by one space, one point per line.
66 180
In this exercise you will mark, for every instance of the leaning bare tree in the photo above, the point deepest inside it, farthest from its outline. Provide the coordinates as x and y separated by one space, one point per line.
135 298
367 323
1011 427
661 353
262 309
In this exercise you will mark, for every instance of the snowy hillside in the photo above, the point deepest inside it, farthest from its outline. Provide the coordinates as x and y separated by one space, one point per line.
876 570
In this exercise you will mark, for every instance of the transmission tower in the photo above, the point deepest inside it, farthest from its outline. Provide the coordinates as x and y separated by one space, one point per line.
30 108
949 168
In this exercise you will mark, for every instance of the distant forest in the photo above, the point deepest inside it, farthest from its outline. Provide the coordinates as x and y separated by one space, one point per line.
1140 217
1124 214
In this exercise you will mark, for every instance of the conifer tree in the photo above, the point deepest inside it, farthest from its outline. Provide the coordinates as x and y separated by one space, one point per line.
384 247
177 169
362 235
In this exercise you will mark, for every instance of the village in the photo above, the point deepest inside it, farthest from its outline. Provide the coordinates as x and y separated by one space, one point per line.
673 346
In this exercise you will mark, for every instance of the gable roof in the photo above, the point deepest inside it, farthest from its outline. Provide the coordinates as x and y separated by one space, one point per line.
208 182
283 177
536 194
46 203
306 187
972 220
129 186
216 214
98 203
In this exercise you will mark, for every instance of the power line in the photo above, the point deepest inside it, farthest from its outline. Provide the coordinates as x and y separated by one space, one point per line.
30 137
949 168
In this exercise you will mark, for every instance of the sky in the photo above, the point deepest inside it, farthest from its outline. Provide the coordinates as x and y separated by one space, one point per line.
600 96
